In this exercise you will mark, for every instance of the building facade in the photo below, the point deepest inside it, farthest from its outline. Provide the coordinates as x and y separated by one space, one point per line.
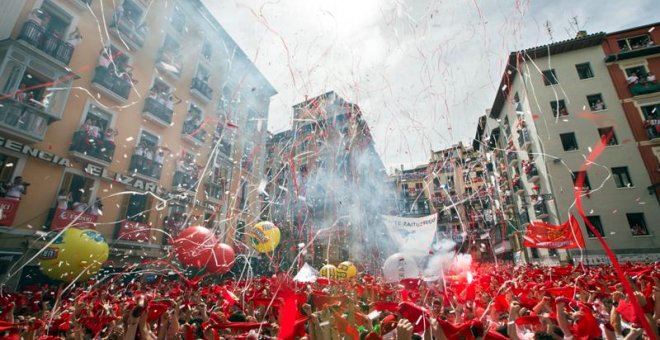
555 104
137 120
325 181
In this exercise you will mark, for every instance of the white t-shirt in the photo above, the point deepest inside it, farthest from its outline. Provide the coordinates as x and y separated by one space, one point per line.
62 202
15 191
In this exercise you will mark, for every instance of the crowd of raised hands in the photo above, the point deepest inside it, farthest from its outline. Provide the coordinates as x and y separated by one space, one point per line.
502 302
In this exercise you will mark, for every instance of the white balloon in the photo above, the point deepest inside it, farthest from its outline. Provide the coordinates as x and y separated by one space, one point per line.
400 266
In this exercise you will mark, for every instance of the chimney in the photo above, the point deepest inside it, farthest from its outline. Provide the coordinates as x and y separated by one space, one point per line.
581 34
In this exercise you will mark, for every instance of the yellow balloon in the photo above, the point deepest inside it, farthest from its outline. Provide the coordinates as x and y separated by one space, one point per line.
328 271
346 270
265 237
77 254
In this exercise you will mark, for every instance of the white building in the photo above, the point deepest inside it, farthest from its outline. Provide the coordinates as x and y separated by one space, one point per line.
553 105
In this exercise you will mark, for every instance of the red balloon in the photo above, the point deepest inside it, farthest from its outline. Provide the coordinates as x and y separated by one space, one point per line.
194 245
222 259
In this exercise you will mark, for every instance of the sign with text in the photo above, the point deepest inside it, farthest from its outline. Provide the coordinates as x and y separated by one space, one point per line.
412 234
64 217
134 231
8 209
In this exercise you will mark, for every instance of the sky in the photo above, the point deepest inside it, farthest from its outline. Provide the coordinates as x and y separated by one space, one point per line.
422 71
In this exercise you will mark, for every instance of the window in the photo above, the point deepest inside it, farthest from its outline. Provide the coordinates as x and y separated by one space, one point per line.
171 59
568 141
80 188
516 102
137 208
621 177
553 252
651 111
8 165
596 102
598 225
535 253
584 71
585 184
559 108
634 43
178 20
550 77
637 224
608 136
207 50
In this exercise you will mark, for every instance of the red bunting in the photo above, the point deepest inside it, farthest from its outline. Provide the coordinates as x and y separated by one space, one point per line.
565 236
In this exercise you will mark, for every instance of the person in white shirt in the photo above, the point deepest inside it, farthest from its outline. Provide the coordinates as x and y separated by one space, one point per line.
159 159
79 207
148 160
16 189
63 199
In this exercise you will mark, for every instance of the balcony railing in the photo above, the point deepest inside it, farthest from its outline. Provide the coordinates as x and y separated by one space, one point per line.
92 149
134 34
170 62
646 87
532 173
214 191
541 210
652 127
46 41
523 138
202 88
146 167
511 157
195 134
24 119
185 180
108 79
518 187
158 110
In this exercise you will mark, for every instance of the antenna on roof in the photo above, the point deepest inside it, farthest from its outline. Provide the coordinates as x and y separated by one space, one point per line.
548 28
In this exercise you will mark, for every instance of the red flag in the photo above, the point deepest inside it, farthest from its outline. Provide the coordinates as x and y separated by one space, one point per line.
544 235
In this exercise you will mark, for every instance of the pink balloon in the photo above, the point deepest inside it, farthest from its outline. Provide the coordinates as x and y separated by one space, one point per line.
222 259
194 245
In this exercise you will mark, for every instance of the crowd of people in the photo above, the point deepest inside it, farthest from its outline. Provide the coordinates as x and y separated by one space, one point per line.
148 159
506 302
95 139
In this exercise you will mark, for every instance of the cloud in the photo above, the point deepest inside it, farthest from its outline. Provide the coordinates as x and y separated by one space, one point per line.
423 71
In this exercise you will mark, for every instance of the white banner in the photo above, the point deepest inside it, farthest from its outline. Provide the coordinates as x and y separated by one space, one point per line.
412 234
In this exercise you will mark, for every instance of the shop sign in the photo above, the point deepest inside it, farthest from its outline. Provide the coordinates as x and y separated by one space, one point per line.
64 218
8 209
33 152
130 181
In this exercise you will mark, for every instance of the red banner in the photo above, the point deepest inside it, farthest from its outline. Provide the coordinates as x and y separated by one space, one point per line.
8 209
134 231
565 236
64 217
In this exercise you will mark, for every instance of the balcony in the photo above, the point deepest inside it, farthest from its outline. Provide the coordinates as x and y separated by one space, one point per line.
134 231
196 136
652 127
512 158
214 191
644 87
541 210
91 149
8 209
25 121
523 139
508 201
518 187
145 168
109 82
185 180
157 112
532 173
130 32
201 90
63 218
46 41
81 4
170 62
